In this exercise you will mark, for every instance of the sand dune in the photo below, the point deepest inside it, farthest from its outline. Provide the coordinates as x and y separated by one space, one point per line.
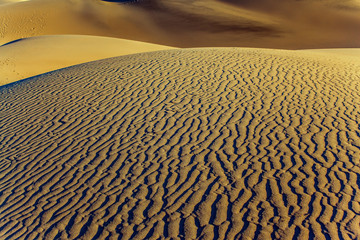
345 52
272 24
32 56
197 143
84 17
2 2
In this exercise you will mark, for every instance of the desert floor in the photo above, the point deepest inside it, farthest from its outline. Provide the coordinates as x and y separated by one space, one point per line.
114 124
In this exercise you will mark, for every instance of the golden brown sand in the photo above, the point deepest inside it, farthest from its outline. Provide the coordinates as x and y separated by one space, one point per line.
285 24
198 143
344 52
84 17
32 56
212 143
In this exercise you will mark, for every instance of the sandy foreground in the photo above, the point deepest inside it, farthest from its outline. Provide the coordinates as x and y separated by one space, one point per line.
196 143
36 55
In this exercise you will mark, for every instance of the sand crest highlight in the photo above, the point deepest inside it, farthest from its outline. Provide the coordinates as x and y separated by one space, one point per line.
28 57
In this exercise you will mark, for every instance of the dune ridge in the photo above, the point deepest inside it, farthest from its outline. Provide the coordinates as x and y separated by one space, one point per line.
36 55
198 143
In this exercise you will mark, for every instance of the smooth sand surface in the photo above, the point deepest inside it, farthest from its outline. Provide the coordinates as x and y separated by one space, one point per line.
199 143
281 24
344 52
81 17
2 2
32 56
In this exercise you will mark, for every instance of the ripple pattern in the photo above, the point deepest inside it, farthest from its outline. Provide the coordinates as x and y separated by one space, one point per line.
184 144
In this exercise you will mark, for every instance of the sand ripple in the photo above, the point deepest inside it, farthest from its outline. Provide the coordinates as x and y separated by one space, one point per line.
207 143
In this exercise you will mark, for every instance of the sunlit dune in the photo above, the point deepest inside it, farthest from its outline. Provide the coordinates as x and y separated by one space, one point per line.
32 56
344 52
179 119
191 144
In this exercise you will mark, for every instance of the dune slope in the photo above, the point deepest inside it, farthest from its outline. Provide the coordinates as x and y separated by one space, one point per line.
84 17
32 56
198 143
280 24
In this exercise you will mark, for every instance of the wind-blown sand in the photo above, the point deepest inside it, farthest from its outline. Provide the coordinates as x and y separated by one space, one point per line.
32 56
197 143
285 24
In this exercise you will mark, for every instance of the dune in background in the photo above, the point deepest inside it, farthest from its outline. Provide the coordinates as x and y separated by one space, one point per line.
198 143
344 52
2 2
83 17
267 24
32 56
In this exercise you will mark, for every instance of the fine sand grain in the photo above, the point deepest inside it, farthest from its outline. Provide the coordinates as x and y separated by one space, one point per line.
197 143
32 56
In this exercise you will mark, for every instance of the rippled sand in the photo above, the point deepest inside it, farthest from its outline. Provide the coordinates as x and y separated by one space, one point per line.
198 143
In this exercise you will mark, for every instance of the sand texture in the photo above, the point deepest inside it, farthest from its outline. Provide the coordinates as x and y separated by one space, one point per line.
36 55
196 143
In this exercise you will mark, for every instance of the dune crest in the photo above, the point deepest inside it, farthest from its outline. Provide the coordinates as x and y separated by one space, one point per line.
32 56
80 17
198 143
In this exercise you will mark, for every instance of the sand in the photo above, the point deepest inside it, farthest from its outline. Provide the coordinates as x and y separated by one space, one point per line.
3 2
36 55
165 143
280 24
197 143
344 52
80 17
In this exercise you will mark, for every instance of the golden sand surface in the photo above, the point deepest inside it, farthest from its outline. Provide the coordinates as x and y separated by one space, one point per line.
341 52
222 143
36 55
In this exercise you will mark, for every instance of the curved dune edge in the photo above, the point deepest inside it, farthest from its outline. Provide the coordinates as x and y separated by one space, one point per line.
197 143
199 23
33 56
80 17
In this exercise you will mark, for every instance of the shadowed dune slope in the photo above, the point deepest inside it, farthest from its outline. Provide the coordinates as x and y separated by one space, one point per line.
84 17
198 23
197 143
32 56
